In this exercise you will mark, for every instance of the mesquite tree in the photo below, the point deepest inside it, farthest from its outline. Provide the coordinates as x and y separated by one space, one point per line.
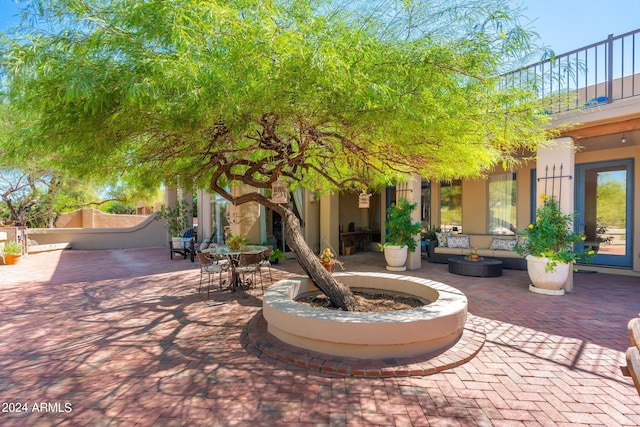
327 95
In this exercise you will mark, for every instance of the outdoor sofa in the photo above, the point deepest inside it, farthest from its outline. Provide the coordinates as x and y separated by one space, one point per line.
499 247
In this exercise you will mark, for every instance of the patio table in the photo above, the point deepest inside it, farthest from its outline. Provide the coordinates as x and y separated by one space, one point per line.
484 267
233 256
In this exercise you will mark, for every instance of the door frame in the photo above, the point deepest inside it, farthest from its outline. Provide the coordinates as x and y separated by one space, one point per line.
580 200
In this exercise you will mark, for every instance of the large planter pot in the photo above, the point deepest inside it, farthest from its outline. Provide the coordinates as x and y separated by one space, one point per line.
547 282
176 242
396 257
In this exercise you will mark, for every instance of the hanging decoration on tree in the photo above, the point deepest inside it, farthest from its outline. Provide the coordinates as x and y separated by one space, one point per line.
363 200
279 192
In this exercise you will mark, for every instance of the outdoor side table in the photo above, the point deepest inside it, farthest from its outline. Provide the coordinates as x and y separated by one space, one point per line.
485 267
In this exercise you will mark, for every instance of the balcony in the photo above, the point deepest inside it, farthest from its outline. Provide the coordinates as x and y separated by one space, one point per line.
586 78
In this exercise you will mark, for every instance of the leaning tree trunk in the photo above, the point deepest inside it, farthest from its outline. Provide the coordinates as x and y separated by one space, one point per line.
339 294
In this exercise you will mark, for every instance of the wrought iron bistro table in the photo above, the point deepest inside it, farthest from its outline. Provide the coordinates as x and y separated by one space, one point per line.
484 267
234 256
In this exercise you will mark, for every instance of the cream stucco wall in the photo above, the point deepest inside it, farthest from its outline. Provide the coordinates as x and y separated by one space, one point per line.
93 218
474 206
329 220
555 170
148 233
249 215
312 221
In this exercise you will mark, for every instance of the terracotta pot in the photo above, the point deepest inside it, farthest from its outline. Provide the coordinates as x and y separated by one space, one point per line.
474 257
328 266
10 259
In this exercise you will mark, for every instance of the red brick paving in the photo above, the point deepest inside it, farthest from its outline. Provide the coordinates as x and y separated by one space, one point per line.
467 346
124 339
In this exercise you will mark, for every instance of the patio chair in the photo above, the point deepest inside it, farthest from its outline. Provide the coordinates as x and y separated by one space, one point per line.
633 327
633 366
266 263
211 266
633 353
187 245
248 265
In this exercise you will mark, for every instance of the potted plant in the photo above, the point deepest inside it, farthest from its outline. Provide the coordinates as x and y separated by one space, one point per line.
236 241
276 256
176 221
473 255
400 234
11 252
549 245
328 259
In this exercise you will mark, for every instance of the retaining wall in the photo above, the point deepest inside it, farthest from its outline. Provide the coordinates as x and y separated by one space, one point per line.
147 234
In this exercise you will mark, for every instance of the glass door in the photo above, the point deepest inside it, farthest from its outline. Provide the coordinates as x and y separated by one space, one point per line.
604 204
219 207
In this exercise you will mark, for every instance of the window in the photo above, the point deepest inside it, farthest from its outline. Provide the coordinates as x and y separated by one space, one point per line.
451 206
219 207
425 202
502 203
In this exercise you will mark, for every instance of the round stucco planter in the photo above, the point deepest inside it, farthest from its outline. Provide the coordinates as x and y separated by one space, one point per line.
370 335
547 282
396 257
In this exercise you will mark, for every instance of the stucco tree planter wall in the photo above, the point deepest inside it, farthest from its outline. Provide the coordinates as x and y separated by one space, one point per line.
401 333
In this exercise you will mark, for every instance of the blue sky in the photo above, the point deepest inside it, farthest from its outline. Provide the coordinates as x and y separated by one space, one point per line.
563 25
7 10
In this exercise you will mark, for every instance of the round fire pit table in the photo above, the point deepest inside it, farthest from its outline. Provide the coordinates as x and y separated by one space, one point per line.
484 267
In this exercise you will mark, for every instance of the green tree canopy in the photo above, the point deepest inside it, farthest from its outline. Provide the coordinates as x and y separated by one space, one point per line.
326 94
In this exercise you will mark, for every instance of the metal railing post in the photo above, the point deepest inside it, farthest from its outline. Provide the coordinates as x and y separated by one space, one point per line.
610 69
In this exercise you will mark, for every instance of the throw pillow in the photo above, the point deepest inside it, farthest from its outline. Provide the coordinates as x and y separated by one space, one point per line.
442 238
503 244
458 242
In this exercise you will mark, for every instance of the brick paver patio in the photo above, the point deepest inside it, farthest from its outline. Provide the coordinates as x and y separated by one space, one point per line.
121 338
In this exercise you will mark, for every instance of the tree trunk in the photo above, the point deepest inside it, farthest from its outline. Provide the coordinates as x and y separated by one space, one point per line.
339 294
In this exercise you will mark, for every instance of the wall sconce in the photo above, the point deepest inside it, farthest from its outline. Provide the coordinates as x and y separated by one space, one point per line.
624 139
